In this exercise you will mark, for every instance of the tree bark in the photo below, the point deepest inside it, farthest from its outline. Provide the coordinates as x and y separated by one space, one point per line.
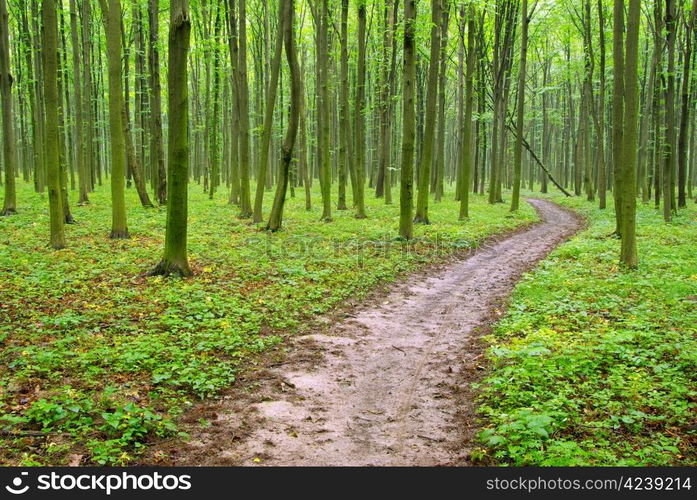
157 147
359 164
50 73
421 216
670 139
112 20
518 148
465 160
268 117
276 217
685 107
175 260
8 144
406 192
628 255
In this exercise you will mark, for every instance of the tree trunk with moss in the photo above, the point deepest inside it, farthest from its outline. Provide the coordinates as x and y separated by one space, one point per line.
465 160
175 260
421 216
518 148
243 103
50 66
685 106
276 217
111 13
268 118
80 146
157 147
132 159
670 144
618 110
406 191
628 255
8 144
359 164
439 163
323 115
214 131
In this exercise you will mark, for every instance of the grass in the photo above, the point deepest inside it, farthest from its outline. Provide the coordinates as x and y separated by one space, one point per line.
594 364
96 358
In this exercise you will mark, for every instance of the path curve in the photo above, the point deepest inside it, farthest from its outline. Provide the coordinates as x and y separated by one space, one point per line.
387 385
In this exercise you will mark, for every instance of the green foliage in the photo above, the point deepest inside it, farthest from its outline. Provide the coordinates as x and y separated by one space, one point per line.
99 354
596 365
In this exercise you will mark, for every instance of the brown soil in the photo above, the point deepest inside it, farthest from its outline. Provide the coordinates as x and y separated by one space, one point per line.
388 384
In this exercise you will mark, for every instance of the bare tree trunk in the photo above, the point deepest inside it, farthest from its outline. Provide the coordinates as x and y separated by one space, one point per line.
628 255
421 216
50 66
670 142
175 260
518 149
465 160
276 218
268 118
359 164
8 144
157 148
112 20
406 194
685 107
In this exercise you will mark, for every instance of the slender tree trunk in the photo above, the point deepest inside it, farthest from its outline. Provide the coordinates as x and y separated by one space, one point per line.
81 147
50 66
345 153
132 159
439 163
276 217
323 117
518 149
233 44
599 114
406 193
268 118
618 109
465 160
214 137
86 103
112 20
243 103
8 144
157 147
63 140
685 107
628 255
359 164
670 139
421 216
383 185
175 260
40 135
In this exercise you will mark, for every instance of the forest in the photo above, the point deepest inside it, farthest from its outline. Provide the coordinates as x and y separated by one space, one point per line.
348 232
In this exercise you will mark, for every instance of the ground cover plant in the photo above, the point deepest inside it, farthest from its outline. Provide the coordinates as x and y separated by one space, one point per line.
97 357
594 364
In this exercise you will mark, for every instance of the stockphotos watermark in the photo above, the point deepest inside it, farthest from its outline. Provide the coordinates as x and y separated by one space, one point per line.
99 483
320 248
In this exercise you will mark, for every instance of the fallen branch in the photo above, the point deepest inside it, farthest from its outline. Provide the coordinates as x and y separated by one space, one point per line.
537 160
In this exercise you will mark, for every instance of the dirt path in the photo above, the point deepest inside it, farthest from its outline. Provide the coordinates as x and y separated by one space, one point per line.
388 385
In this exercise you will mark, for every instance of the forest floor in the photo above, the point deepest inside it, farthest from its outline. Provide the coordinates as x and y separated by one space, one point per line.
389 383
585 364
98 360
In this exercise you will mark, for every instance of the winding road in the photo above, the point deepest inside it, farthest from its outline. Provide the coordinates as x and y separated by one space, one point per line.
389 383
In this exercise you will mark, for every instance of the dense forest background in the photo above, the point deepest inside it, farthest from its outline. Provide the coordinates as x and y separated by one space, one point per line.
578 96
